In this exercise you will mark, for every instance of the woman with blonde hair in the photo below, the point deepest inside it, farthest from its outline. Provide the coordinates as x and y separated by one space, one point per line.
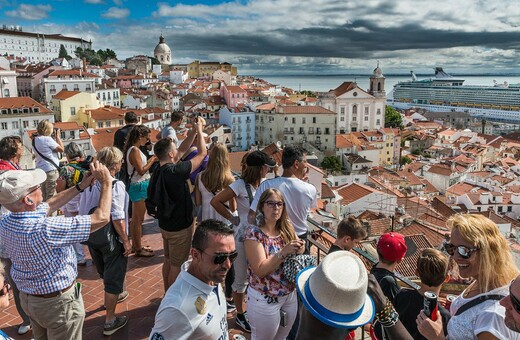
137 168
211 181
267 245
481 252
46 146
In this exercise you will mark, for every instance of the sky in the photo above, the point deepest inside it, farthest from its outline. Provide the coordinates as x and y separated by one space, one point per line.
275 37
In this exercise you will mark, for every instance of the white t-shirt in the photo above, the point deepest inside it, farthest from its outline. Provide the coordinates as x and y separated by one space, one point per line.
242 198
46 146
488 316
169 132
179 317
298 195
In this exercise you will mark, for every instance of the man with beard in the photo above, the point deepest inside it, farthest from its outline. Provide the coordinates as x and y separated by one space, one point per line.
512 305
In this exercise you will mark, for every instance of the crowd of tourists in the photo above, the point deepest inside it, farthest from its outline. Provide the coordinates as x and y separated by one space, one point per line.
230 243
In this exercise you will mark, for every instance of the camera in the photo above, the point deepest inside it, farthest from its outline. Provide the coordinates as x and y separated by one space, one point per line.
85 164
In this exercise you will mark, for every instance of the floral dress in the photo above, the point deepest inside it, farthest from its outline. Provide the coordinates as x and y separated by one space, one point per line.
274 284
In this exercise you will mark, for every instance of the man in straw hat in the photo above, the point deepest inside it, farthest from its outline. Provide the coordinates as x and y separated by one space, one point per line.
335 300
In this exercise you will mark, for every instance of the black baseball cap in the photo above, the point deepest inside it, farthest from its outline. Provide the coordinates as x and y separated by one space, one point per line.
259 158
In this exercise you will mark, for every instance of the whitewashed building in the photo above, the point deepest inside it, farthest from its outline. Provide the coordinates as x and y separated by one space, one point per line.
20 114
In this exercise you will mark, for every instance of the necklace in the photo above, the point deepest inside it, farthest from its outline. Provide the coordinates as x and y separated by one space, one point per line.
473 286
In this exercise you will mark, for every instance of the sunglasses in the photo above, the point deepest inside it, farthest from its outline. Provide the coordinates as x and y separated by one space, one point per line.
273 204
514 301
33 189
463 251
4 291
222 257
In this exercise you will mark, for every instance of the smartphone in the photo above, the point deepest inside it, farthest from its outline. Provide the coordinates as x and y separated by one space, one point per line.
78 290
283 318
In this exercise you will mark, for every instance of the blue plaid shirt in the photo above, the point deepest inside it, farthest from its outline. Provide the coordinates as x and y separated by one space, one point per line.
40 248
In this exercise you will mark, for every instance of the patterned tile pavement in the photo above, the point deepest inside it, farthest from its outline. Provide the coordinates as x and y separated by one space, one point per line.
144 283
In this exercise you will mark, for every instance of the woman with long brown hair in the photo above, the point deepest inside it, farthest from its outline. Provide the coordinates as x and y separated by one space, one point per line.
137 168
267 245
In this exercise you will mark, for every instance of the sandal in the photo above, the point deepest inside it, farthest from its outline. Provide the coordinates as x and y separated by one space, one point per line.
144 252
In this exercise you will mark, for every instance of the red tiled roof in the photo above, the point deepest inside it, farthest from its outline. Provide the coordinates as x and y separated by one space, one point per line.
103 137
235 159
345 87
353 192
326 191
22 102
64 94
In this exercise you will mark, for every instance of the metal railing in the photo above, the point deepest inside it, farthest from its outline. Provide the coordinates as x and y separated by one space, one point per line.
321 248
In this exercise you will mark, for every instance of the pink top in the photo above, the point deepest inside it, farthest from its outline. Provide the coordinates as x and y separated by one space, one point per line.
274 284
8 165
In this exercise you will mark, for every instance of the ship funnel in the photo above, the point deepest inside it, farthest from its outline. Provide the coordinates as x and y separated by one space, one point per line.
414 77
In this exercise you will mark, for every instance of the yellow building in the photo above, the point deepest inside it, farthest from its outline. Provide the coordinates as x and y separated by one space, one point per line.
200 69
104 117
68 106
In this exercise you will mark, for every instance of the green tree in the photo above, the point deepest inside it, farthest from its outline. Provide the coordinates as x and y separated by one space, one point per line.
393 118
331 163
405 160
63 53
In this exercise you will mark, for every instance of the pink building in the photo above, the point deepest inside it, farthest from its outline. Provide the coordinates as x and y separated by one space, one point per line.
233 95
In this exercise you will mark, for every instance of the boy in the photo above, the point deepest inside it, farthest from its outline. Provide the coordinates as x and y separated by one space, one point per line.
350 231
432 269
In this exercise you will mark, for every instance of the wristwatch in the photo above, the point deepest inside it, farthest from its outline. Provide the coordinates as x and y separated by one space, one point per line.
79 188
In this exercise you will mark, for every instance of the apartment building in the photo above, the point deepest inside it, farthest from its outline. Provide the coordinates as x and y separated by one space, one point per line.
20 114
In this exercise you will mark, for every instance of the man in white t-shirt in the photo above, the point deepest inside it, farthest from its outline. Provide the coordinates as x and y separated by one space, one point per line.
299 196
169 131
194 307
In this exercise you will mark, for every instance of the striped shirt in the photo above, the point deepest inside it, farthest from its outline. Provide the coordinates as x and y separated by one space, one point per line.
40 248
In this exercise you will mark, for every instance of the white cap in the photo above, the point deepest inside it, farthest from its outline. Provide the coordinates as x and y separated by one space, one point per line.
15 184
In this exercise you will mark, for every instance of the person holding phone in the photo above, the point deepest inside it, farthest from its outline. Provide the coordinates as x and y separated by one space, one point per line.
46 146
271 298
481 252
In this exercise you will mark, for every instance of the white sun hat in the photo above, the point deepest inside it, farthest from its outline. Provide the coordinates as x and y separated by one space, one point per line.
335 292
15 184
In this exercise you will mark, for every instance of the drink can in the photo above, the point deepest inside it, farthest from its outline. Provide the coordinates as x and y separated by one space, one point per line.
430 305
449 300
239 337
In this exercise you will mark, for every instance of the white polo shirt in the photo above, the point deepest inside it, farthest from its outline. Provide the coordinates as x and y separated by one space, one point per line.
191 309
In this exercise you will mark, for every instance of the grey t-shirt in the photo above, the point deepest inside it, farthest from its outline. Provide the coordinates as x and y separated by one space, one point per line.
169 132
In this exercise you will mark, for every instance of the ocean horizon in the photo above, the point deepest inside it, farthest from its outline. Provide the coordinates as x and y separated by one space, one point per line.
323 83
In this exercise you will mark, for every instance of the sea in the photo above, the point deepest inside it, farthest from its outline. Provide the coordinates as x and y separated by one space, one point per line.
323 83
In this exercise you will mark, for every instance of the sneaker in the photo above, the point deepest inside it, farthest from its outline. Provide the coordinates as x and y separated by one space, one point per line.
123 296
242 321
24 329
230 306
112 327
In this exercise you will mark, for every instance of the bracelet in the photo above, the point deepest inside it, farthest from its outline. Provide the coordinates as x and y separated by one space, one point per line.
79 188
388 316
279 255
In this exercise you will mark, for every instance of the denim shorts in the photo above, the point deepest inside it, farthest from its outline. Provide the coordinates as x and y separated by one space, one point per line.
138 191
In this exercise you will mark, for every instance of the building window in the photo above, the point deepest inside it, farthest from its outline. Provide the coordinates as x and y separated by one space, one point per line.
327 131
302 131
303 120
378 121
4 126
64 87
378 111
366 110
354 109
354 118
76 87
120 122
35 123
25 124
294 120
72 111
341 119
100 125
366 118
108 124
342 110
15 125
314 120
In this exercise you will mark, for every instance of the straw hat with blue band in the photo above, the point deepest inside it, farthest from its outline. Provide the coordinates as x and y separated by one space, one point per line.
335 292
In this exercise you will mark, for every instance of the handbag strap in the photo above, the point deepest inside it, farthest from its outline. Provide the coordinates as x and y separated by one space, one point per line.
42 156
249 192
478 301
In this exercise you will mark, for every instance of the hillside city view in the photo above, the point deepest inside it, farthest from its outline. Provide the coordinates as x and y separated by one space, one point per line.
415 181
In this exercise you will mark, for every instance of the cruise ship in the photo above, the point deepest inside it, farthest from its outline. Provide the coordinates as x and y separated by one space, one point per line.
441 93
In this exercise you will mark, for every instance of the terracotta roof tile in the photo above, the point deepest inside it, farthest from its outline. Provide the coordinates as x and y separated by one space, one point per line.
64 94
22 102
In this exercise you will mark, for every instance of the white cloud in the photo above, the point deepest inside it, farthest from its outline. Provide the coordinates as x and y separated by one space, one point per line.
30 12
116 13
95 2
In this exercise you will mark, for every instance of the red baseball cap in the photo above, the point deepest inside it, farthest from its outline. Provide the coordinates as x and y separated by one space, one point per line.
392 246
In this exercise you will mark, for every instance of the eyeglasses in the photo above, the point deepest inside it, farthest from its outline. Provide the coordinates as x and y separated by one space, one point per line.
34 189
514 301
4 291
273 204
463 251
222 257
